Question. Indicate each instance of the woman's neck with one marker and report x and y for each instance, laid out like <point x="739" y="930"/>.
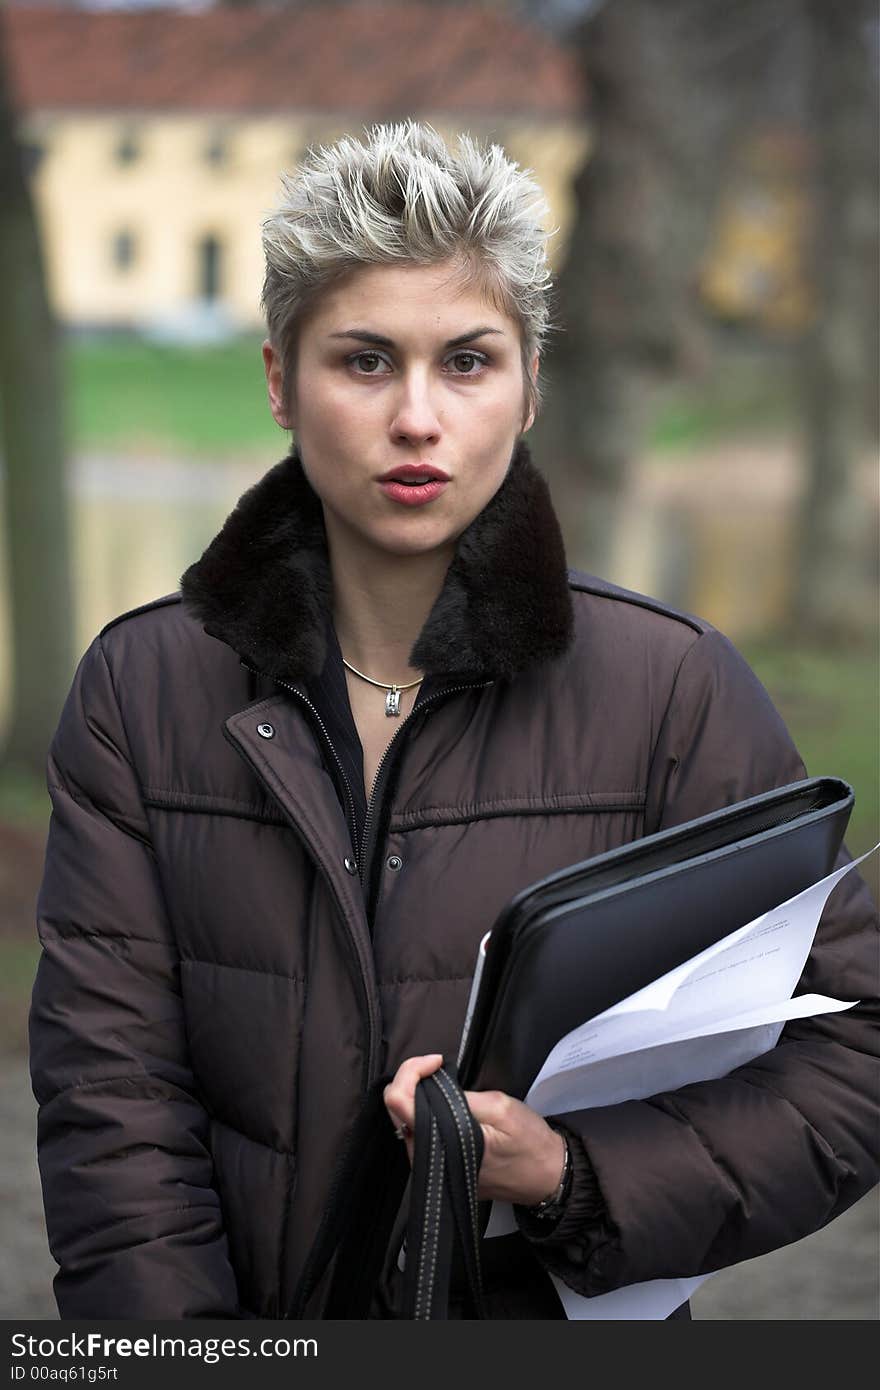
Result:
<point x="380" y="605"/>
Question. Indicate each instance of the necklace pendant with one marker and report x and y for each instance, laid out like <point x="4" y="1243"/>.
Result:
<point x="392" y="702"/>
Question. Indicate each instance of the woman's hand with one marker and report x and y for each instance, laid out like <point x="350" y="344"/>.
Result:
<point x="523" y="1157"/>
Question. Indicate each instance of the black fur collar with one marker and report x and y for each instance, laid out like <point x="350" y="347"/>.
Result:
<point x="263" y="585"/>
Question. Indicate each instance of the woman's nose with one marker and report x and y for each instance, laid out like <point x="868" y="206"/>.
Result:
<point x="415" y="418"/>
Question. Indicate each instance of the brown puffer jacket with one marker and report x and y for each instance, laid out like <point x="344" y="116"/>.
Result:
<point x="224" y="972"/>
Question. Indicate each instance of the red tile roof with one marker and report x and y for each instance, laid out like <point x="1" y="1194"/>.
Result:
<point x="386" y="61"/>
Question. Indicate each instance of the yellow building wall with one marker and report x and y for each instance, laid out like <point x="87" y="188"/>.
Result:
<point x="170" y="197"/>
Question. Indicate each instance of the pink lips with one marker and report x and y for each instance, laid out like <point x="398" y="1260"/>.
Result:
<point x="413" y="495"/>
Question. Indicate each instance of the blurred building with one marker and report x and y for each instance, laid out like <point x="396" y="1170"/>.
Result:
<point x="754" y="271"/>
<point x="156" y="138"/>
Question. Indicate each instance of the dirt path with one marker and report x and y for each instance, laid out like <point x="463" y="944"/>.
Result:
<point x="26" y="1267"/>
<point x="834" y="1274"/>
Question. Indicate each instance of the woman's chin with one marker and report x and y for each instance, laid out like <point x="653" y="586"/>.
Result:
<point x="414" y="539"/>
<point x="407" y="548"/>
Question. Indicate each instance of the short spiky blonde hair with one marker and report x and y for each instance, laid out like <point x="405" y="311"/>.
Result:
<point x="402" y="195"/>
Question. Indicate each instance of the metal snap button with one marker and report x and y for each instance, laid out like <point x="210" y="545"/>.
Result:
<point x="394" y="862"/>
<point x="265" y="731"/>
<point x="350" y="865"/>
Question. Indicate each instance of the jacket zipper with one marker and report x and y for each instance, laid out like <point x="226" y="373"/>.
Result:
<point x="364" y="857"/>
<point x="352" y="817"/>
<point x="335" y="755"/>
<point x="363" y="966"/>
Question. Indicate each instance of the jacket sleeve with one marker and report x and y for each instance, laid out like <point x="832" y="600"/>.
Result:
<point x="721" y="1171"/>
<point x="133" y="1219"/>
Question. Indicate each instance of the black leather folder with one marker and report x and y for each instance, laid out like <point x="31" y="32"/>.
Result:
<point x="569" y="946"/>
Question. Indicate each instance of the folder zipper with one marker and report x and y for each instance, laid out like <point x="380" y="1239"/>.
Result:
<point x="687" y="848"/>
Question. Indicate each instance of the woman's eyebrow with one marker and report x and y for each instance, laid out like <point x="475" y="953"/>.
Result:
<point x="364" y="335"/>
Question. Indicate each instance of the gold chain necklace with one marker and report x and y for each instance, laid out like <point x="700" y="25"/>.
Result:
<point x="392" y="699"/>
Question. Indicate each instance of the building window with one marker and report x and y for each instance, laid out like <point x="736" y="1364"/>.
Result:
<point x="128" y="148"/>
<point x="217" y="151"/>
<point x="209" y="256"/>
<point x="123" y="250"/>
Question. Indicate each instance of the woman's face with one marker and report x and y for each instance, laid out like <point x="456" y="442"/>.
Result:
<point x="398" y="368"/>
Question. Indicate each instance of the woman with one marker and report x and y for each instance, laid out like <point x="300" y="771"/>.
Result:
<point x="289" y="801"/>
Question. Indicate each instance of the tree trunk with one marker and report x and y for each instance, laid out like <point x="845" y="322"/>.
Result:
<point x="830" y="576"/>
<point x="671" y="87"/>
<point x="32" y="446"/>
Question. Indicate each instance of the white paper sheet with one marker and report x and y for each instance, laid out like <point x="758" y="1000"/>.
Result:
<point x="717" y="1011"/>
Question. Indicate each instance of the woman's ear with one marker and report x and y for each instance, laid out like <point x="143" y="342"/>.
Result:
<point x="274" y="370"/>
<point x="533" y="377"/>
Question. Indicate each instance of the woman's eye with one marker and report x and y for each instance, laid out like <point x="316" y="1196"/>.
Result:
<point x="367" y="362"/>
<point x="467" y="363"/>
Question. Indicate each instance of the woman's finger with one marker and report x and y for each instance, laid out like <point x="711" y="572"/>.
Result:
<point x="400" y="1093"/>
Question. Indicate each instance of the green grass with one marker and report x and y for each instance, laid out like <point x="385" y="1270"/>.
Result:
<point x="129" y="394"/>
<point x="686" y="421"/>
<point x="741" y="393"/>
<point x="24" y="800"/>
<point x="18" y="965"/>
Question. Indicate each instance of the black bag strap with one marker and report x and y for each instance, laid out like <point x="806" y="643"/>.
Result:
<point x="366" y="1194"/>
<point x="448" y="1150"/>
